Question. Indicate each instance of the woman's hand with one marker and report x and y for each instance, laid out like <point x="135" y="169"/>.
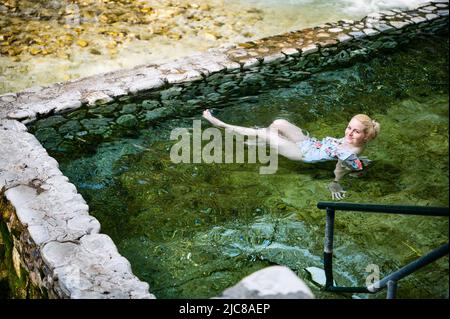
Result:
<point x="337" y="192"/>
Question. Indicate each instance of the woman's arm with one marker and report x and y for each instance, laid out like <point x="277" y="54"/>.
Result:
<point x="337" y="192"/>
<point x="340" y="171"/>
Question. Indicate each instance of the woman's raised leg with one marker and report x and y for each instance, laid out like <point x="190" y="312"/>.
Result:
<point x="286" y="147"/>
<point x="288" y="130"/>
<point x="234" y="128"/>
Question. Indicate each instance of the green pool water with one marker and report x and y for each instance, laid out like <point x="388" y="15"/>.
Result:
<point x="192" y="230"/>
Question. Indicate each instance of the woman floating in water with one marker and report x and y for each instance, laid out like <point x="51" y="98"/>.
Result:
<point x="295" y="145"/>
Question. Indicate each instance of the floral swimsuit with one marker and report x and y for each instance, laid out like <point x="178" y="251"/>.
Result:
<point x="328" y="149"/>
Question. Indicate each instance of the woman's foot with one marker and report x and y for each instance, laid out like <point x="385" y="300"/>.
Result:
<point x="208" y="116"/>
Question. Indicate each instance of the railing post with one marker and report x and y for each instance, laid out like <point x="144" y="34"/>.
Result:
<point x="392" y="279"/>
<point x="411" y="267"/>
<point x="391" y="289"/>
<point x="328" y="248"/>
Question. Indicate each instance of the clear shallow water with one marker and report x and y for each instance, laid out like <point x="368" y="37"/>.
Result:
<point x="86" y="37"/>
<point x="286" y="15"/>
<point x="192" y="230"/>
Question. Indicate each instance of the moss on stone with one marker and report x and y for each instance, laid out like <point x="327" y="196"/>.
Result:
<point x="13" y="284"/>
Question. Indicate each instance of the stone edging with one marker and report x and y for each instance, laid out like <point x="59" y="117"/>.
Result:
<point x="55" y="240"/>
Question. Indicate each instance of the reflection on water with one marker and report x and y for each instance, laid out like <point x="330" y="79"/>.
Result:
<point x="192" y="230"/>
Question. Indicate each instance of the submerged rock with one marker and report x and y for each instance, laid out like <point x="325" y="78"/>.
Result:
<point x="127" y="120"/>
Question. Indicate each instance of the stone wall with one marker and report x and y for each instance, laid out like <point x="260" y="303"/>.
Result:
<point x="55" y="248"/>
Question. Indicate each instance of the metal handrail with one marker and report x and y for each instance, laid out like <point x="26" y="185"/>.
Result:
<point x="389" y="209"/>
<point x="389" y="281"/>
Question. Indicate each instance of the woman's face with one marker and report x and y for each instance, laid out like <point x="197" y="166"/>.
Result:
<point x="354" y="133"/>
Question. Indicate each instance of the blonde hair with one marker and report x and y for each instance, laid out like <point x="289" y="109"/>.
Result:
<point x="371" y="127"/>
